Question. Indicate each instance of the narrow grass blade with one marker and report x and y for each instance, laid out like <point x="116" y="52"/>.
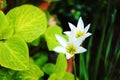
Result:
<point x="83" y="72"/>
<point x="90" y="41"/>
<point x="101" y="42"/>
<point x="110" y="34"/>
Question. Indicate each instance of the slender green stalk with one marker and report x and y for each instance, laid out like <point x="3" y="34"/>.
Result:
<point x="108" y="65"/>
<point x="117" y="49"/>
<point x="86" y="65"/>
<point x="90" y="41"/>
<point x="112" y="67"/>
<point x="101" y="42"/>
<point x="83" y="71"/>
<point x="88" y="53"/>
<point x="109" y="44"/>
<point x="110" y="34"/>
<point x="114" y="59"/>
<point x="81" y="68"/>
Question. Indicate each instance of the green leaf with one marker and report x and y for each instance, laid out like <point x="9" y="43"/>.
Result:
<point x="6" y="74"/>
<point x="61" y="65"/>
<point x="40" y="59"/>
<point x="38" y="41"/>
<point x="6" y="30"/>
<point x="14" y="54"/>
<point x="34" y="73"/>
<point x="29" y="22"/>
<point x="83" y="71"/>
<point x="48" y="68"/>
<point x="50" y="36"/>
<point x="60" y="68"/>
<point x="35" y="42"/>
<point x="53" y="77"/>
<point x="68" y="76"/>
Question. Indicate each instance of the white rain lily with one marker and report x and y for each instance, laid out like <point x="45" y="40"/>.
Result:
<point x="78" y="31"/>
<point x="69" y="48"/>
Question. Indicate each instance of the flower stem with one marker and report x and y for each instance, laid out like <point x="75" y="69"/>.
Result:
<point x="70" y="65"/>
<point x="74" y="66"/>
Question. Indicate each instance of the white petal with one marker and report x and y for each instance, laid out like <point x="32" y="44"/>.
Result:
<point x="61" y="40"/>
<point x="80" y="24"/>
<point x="79" y="41"/>
<point x="71" y="26"/>
<point x="67" y="33"/>
<point x="72" y="36"/>
<point x="81" y="50"/>
<point x="86" y="28"/>
<point x="68" y="56"/>
<point x="60" y="49"/>
<point x="87" y="35"/>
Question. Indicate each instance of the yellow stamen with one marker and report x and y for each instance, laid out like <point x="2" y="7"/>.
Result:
<point x="79" y="33"/>
<point x="71" y="49"/>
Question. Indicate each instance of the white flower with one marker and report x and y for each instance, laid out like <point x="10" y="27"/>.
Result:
<point x="69" y="48"/>
<point x="78" y="31"/>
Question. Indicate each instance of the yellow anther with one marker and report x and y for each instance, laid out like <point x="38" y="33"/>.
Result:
<point x="79" y="34"/>
<point x="71" y="49"/>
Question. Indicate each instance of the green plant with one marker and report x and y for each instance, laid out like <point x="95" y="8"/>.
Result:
<point x="21" y="26"/>
<point x="27" y="41"/>
<point x="18" y="27"/>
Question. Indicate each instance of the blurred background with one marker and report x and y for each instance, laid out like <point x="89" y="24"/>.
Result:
<point x="102" y="59"/>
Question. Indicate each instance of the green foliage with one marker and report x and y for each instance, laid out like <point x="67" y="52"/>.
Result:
<point x="40" y="59"/>
<point x="35" y="42"/>
<point x="60" y="68"/>
<point x="53" y="77"/>
<point x="50" y="36"/>
<point x="68" y="76"/>
<point x="61" y="65"/>
<point x="6" y="74"/>
<point x="48" y="68"/>
<point x="29" y="22"/>
<point x="14" y="54"/>
<point x="83" y="72"/>
<point x="34" y="73"/>
<point x="101" y="63"/>
<point x="6" y="30"/>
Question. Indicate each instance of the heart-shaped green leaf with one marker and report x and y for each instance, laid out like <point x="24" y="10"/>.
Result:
<point x="68" y="76"/>
<point x="60" y="68"/>
<point x="29" y="22"/>
<point x="14" y="54"/>
<point x="50" y="36"/>
<point x="48" y="68"/>
<point x="34" y="73"/>
<point x="61" y="65"/>
<point x="40" y="59"/>
<point x="53" y="77"/>
<point x="6" y="30"/>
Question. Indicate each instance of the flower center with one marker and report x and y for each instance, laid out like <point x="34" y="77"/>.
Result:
<point x="79" y="33"/>
<point x="71" y="49"/>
